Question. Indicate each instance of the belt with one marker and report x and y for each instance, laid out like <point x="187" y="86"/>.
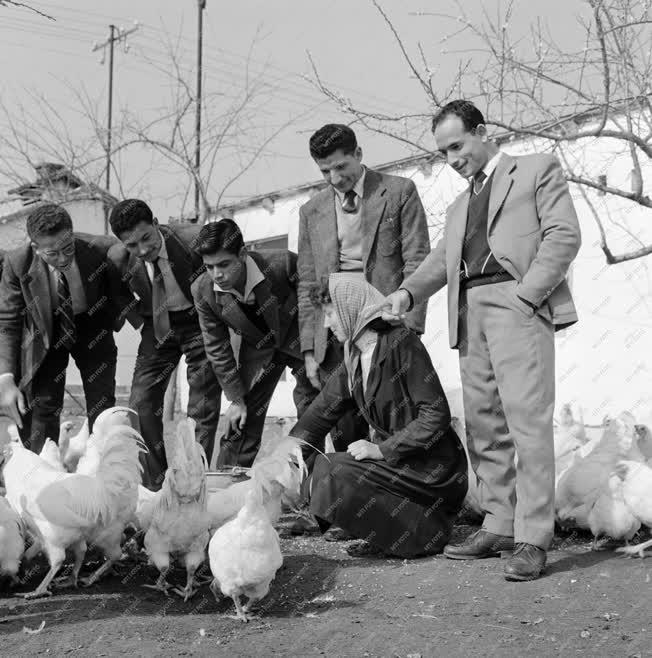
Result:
<point x="485" y="279"/>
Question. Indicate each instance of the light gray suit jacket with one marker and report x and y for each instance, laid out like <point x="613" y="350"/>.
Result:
<point x="532" y="230"/>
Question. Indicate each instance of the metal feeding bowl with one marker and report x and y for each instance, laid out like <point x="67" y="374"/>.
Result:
<point x="225" y="476"/>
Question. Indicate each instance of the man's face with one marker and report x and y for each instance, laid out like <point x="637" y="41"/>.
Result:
<point x="465" y="152"/>
<point x="226" y="269"/>
<point x="340" y="170"/>
<point x="57" y="250"/>
<point x="143" y="241"/>
<point x="332" y="322"/>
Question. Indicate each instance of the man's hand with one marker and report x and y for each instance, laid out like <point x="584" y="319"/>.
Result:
<point x="396" y="305"/>
<point x="236" y="415"/>
<point x="312" y="369"/>
<point x="364" y="450"/>
<point x="12" y="400"/>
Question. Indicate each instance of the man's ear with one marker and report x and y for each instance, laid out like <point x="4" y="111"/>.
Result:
<point x="358" y="153"/>
<point x="154" y="221"/>
<point x="481" y="131"/>
<point x="242" y="254"/>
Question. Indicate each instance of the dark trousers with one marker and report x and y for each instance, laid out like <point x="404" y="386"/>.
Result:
<point x="95" y="354"/>
<point x="240" y="448"/>
<point x="154" y="366"/>
<point x="351" y="426"/>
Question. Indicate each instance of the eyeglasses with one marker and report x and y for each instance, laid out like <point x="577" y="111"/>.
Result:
<point x="66" y="250"/>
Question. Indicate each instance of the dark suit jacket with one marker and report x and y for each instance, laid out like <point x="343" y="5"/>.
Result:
<point x="415" y="434"/>
<point x="26" y="314"/>
<point x="394" y="242"/>
<point x="218" y="312"/>
<point x="532" y="230"/>
<point x="185" y="262"/>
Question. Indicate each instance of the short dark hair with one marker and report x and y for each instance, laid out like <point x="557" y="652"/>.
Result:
<point x="330" y="138"/>
<point x="129" y="213"/>
<point x="319" y="293"/>
<point x="221" y="235"/>
<point x="469" y="114"/>
<point x="47" y="219"/>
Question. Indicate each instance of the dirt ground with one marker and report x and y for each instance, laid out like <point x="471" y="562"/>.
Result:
<point x="324" y="602"/>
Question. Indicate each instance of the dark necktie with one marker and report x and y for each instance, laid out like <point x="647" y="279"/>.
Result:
<point x="478" y="182"/>
<point x="348" y="203"/>
<point x="160" y="315"/>
<point x="65" y="312"/>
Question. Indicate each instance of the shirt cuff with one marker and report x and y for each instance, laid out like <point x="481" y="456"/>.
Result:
<point x="5" y="375"/>
<point x="411" y="306"/>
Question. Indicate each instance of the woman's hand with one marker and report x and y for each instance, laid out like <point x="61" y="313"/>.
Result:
<point x="364" y="450"/>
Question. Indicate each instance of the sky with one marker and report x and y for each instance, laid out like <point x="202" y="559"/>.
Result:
<point x="49" y="65"/>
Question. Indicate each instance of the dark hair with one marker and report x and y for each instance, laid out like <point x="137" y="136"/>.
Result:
<point x="330" y="138"/>
<point x="47" y="219"/>
<point x="320" y="294"/>
<point x="129" y="213"/>
<point x="469" y="114"/>
<point x="222" y="235"/>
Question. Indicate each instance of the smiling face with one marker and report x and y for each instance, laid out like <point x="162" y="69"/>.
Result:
<point x="226" y="269"/>
<point x="341" y="170"/>
<point x="332" y="322"/>
<point x="143" y="241"/>
<point x="57" y="249"/>
<point x="466" y="152"/>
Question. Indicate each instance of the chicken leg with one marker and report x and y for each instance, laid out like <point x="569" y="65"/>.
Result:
<point x="161" y="583"/>
<point x="637" y="549"/>
<point x="56" y="557"/>
<point x="241" y="614"/>
<point x="79" y="550"/>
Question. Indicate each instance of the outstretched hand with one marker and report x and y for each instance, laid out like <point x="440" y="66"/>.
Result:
<point x="396" y="306"/>
<point x="364" y="450"/>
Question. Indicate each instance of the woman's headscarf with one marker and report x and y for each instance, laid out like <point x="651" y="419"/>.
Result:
<point x="356" y="303"/>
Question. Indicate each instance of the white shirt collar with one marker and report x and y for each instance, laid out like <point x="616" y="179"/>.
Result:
<point x="491" y="165"/>
<point x="254" y="277"/>
<point x="358" y="188"/>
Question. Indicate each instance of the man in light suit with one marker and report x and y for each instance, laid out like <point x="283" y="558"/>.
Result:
<point x="508" y="242"/>
<point x="158" y="264"/>
<point x="253" y="296"/>
<point x="364" y="221"/>
<point x="59" y="297"/>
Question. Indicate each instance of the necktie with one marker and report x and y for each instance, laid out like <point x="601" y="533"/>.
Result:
<point x="160" y="315"/>
<point x="348" y="203"/>
<point x="65" y="313"/>
<point x="478" y="182"/>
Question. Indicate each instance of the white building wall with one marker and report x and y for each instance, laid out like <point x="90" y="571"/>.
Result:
<point x="603" y="362"/>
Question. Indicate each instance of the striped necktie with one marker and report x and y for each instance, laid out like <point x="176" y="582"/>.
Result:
<point x="64" y="312"/>
<point x="478" y="182"/>
<point x="160" y="315"/>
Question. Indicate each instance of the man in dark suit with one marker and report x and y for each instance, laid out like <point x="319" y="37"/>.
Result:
<point x="364" y="221"/>
<point x="254" y="297"/>
<point x="508" y="242"/>
<point x="158" y="265"/>
<point x="57" y="299"/>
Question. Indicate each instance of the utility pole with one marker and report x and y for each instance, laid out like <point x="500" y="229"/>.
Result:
<point x="201" y="5"/>
<point x="115" y="35"/>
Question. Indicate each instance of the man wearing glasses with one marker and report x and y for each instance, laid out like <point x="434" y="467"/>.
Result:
<point x="57" y="299"/>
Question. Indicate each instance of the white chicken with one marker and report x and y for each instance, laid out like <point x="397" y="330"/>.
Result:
<point x="72" y="447"/>
<point x="68" y="510"/>
<point x="637" y="492"/>
<point x="177" y="522"/>
<point x="587" y="477"/>
<point x="610" y="516"/>
<point x="278" y="474"/>
<point x="50" y="454"/>
<point x="569" y="436"/>
<point x="12" y="542"/>
<point x="245" y="554"/>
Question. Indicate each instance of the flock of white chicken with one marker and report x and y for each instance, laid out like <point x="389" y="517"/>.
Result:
<point x="604" y="483"/>
<point x="86" y="491"/>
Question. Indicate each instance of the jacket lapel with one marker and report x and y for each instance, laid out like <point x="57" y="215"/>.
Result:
<point x="457" y="217"/>
<point x="41" y="298"/>
<point x="180" y="261"/>
<point x="324" y="226"/>
<point x="374" y="201"/>
<point x="234" y="316"/>
<point x="500" y="187"/>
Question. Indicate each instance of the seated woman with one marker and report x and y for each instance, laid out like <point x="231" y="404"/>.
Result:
<point x="400" y="491"/>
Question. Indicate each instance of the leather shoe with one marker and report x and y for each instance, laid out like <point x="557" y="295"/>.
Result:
<point x="527" y="563"/>
<point x="480" y="544"/>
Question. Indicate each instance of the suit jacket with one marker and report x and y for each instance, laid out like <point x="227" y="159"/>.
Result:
<point x="238" y="367"/>
<point x="185" y="263"/>
<point x="394" y="242"/>
<point x="532" y="230"/>
<point x="26" y="313"/>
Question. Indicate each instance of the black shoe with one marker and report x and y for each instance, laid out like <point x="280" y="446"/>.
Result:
<point x="527" y="563"/>
<point x="480" y="544"/>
